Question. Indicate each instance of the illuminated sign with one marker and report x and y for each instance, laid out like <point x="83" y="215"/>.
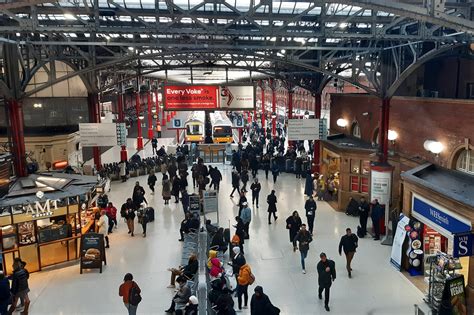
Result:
<point x="190" y="97"/>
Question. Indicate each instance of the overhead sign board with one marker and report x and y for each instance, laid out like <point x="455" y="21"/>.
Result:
<point x="98" y="134"/>
<point x="303" y="129"/>
<point x="237" y="97"/>
<point x="177" y="123"/>
<point x="190" y="97"/>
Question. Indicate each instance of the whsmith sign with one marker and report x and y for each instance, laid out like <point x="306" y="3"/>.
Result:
<point x="439" y="218"/>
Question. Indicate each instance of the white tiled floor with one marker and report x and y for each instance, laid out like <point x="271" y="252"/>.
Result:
<point x="376" y="287"/>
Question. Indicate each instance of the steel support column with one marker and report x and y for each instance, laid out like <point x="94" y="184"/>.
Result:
<point x="15" y="113"/>
<point x="383" y="130"/>
<point x="121" y="118"/>
<point x="150" y="118"/>
<point x="317" y="142"/>
<point x="94" y="117"/>
<point x="139" y="122"/>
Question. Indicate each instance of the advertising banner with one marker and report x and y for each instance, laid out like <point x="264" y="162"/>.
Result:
<point x="454" y="297"/>
<point x="92" y="251"/>
<point x="190" y="97"/>
<point x="303" y="129"/>
<point x="463" y="245"/>
<point x="381" y="186"/>
<point x="398" y="240"/>
<point x="98" y="134"/>
<point x="237" y="97"/>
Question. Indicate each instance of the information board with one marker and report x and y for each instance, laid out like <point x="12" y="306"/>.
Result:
<point x="98" y="134"/>
<point x="398" y="240"/>
<point x="190" y="97"/>
<point x="211" y="203"/>
<point x="303" y="129"/>
<point x="237" y="97"/>
<point x="194" y="204"/>
<point x="121" y="134"/>
<point x="92" y="251"/>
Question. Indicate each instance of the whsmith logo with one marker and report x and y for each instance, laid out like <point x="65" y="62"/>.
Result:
<point x="439" y="217"/>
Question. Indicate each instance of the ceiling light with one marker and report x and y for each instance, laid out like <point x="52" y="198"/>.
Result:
<point x="343" y="26"/>
<point x="341" y="122"/>
<point x="37" y="105"/>
<point x="283" y="51"/>
<point x="392" y="135"/>
<point x="69" y="16"/>
<point x="131" y="48"/>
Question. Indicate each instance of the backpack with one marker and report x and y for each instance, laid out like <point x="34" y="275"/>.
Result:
<point x="134" y="297"/>
<point x="251" y="278"/>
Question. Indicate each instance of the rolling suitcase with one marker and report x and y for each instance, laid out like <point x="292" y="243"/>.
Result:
<point x="151" y="214"/>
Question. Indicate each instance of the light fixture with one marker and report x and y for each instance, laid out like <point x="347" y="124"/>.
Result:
<point x="153" y="109"/>
<point x="69" y="16"/>
<point x="131" y="48"/>
<point x="283" y="51"/>
<point x="274" y="115"/>
<point x="141" y="117"/>
<point x="37" y="105"/>
<point x="306" y="114"/>
<point x="392" y="135"/>
<point x="433" y="146"/>
<point x="341" y="122"/>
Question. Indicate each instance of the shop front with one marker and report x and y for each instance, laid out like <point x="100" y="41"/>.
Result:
<point x="439" y="247"/>
<point x="345" y="169"/>
<point x="43" y="217"/>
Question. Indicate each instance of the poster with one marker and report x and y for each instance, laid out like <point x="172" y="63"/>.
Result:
<point x="190" y="97"/>
<point x="303" y="129"/>
<point x="454" y="296"/>
<point x="398" y="240"/>
<point x="381" y="186"/>
<point x="194" y="204"/>
<point x="92" y="251"/>
<point x="98" y="134"/>
<point x="237" y="97"/>
<point x="210" y="201"/>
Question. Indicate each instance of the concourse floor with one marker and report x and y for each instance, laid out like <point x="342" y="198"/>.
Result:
<point x="375" y="288"/>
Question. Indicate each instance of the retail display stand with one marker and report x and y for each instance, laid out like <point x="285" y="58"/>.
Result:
<point x="92" y="251"/>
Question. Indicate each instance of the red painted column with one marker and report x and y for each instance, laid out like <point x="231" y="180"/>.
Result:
<point x="15" y="112"/>
<point x="139" y="123"/>
<point x="121" y="118"/>
<point x="290" y="111"/>
<point x="150" y="118"/>
<point x="94" y="117"/>
<point x="317" y="143"/>
<point x="383" y="130"/>
<point x="273" y="111"/>
<point x="263" y="108"/>
<point x="177" y="136"/>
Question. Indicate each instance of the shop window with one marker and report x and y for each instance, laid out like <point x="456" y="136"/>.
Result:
<point x="355" y="166"/>
<point x="364" y="185"/>
<point x="355" y="183"/>
<point x="465" y="162"/>
<point x="365" y="167"/>
<point x="355" y="130"/>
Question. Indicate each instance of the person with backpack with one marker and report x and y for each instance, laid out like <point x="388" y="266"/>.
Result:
<point x="152" y="181"/>
<point x="272" y="209"/>
<point x="244" y="279"/>
<point x="303" y="238"/>
<point x="238" y="260"/>
<point x="260" y="303"/>
<point x="130" y="293"/>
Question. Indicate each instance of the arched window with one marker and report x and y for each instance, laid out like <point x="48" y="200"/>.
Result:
<point x="465" y="162"/>
<point x="355" y="129"/>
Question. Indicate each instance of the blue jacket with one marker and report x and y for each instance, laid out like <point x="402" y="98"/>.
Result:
<point x="246" y="215"/>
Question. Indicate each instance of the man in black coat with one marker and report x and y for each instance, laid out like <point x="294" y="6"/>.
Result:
<point x="326" y="275"/>
<point x="348" y="243"/>
<point x="255" y="188"/>
<point x="235" y="183"/>
<point x="260" y="303"/>
<point x="310" y="207"/>
<point x="272" y="209"/>
<point x="303" y="238"/>
<point x="364" y="209"/>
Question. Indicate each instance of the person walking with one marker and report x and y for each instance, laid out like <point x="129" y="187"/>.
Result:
<point x="130" y="217"/>
<point x="138" y="195"/>
<point x="348" y="243"/>
<point x="255" y="188"/>
<point x="272" y="209"/>
<point x="5" y="294"/>
<point x="175" y="188"/>
<point x="242" y="200"/>
<point x="266" y="164"/>
<point x="244" y="177"/>
<point x="293" y="224"/>
<point x="144" y="218"/>
<point x="20" y="287"/>
<point x="103" y="226"/>
<point x="129" y="290"/>
<point x="326" y="275"/>
<point x="216" y="177"/>
<point x="235" y="183"/>
<point x="364" y="209"/>
<point x="310" y="207"/>
<point x="151" y="181"/>
<point x="376" y="215"/>
<point x="154" y="146"/>
<point x="243" y="282"/>
<point x="111" y="212"/>
<point x="260" y="303"/>
<point x="246" y="216"/>
<point x="123" y="171"/>
<point x="275" y="170"/>
<point x="303" y="237"/>
<point x="164" y="169"/>
<point x="166" y="189"/>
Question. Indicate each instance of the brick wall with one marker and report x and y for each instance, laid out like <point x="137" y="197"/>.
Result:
<point x="414" y="119"/>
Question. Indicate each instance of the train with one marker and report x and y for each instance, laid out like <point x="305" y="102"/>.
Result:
<point x="221" y="128"/>
<point x="194" y="127"/>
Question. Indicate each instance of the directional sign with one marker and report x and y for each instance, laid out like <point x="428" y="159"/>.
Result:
<point x="303" y="129"/>
<point x="177" y="123"/>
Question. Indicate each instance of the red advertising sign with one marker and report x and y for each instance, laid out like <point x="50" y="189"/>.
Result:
<point x="190" y="97"/>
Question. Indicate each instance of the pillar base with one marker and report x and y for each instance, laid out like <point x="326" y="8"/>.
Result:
<point x="150" y="133"/>
<point x="139" y="143"/>
<point x="123" y="154"/>
<point x="470" y="299"/>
